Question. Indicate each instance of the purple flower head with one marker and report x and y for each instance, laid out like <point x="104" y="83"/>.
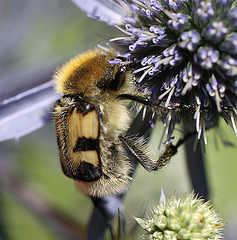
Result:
<point x="215" y="32"/>
<point x="185" y="55"/>
<point x="189" y="40"/>
<point x="207" y="57"/>
<point x="203" y="12"/>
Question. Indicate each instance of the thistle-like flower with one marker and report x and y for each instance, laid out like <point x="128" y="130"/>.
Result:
<point x="186" y="56"/>
<point x="184" y="218"/>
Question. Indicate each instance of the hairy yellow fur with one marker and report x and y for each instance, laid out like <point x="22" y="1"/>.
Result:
<point x="80" y="74"/>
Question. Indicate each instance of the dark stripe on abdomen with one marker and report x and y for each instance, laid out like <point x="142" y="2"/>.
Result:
<point x="86" y="144"/>
<point x="88" y="172"/>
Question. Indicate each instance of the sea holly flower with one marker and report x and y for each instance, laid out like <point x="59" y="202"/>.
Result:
<point x="188" y="217"/>
<point x="185" y="55"/>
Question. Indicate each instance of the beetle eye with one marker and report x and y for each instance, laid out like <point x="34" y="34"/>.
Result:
<point x="116" y="82"/>
<point x="119" y="79"/>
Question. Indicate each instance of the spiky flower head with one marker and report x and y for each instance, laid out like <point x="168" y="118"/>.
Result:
<point x="183" y="218"/>
<point x="186" y="56"/>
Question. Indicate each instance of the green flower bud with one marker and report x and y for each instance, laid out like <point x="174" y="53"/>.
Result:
<point x="188" y="217"/>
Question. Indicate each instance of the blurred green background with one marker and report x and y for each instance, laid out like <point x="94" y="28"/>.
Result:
<point x="40" y="35"/>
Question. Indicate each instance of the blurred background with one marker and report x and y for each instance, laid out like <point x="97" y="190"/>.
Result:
<point x="35" y="38"/>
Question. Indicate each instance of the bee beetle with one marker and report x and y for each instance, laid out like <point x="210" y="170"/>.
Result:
<point x="91" y="122"/>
